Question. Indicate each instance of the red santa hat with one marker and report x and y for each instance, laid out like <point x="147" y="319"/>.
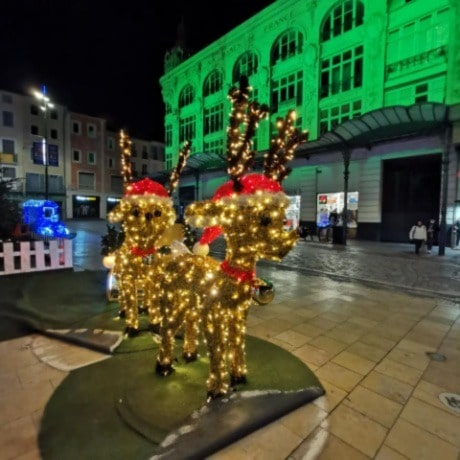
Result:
<point x="146" y="187"/>
<point x="255" y="188"/>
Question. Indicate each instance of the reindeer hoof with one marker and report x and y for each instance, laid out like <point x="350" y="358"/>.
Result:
<point x="122" y="314"/>
<point x="154" y="328"/>
<point x="190" y="357"/>
<point x="164" y="369"/>
<point x="211" y="395"/>
<point x="132" y="331"/>
<point x="237" y="380"/>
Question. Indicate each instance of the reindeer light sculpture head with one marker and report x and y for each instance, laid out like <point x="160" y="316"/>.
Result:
<point x="147" y="216"/>
<point x="249" y="210"/>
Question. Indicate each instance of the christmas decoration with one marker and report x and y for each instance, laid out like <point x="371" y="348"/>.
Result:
<point x="248" y="211"/>
<point x="147" y="217"/>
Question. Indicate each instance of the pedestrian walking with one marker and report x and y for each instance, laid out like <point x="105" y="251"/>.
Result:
<point x="431" y="234"/>
<point x="417" y="235"/>
<point x="456" y="227"/>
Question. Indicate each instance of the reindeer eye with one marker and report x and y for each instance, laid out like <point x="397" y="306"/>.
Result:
<point x="265" y="221"/>
<point x="157" y="213"/>
<point x="135" y="212"/>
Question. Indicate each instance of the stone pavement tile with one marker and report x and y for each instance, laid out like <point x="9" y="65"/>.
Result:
<point x="367" y="351"/>
<point x="322" y="323"/>
<point x="35" y="373"/>
<point x="304" y="420"/>
<point x="21" y="402"/>
<point x="429" y="393"/>
<point x="322" y="445"/>
<point x="378" y="341"/>
<point x="363" y="321"/>
<point x="372" y="405"/>
<point x="275" y="438"/>
<point x="442" y="378"/>
<point x="8" y="379"/>
<point x="338" y="376"/>
<point x="16" y="353"/>
<point x="417" y="359"/>
<point x="18" y="438"/>
<point x="387" y="453"/>
<point x="308" y="329"/>
<point x="307" y="313"/>
<point x="313" y="355"/>
<point x="275" y="326"/>
<point x="346" y="334"/>
<point x="356" y="429"/>
<point x="354" y="362"/>
<point x="333" y="315"/>
<point x="436" y="421"/>
<point x="388" y="386"/>
<point x="399" y="371"/>
<point x="292" y="338"/>
<point x="429" y="333"/>
<point x="418" y="444"/>
<point x="333" y="397"/>
<point x="328" y="344"/>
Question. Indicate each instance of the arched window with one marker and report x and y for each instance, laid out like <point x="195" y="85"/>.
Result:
<point x="288" y="45"/>
<point x="247" y="64"/>
<point x="186" y="96"/>
<point x="213" y="83"/>
<point x="342" y="18"/>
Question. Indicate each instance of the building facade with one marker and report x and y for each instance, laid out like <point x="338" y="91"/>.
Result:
<point x="81" y="158"/>
<point x="375" y="82"/>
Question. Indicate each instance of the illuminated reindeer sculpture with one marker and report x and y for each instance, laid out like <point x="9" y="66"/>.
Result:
<point x="249" y="211"/>
<point x="147" y="217"/>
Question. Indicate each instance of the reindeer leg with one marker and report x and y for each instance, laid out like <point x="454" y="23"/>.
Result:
<point x="191" y="330"/>
<point x="215" y="326"/>
<point x="237" y="344"/>
<point x="131" y="320"/>
<point x="171" y="320"/>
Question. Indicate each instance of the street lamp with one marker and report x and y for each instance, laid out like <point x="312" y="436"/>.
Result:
<point x="45" y="105"/>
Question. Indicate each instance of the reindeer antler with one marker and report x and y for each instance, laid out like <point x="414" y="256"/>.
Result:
<point x="240" y="156"/>
<point x="282" y="147"/>
<point x="125" y="145"/>
<point x="181" y="161"/>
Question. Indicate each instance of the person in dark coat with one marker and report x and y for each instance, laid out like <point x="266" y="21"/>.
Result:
<point x="432" y="230"/>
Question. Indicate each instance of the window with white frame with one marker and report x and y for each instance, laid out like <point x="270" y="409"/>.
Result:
<point x="287" y="46"/>
<point x="331" y="117"/>
<point x="247" y="65"/>
<point x="287" y="89"/>
<point x="342" y="72"/>
<point x="342" y="18"/>
<point x="76" y="156"/>
<point x="91" y="158"/>
<point x="187" y="128"/>
<point x="8" y="146"/>
<point x="187" y="95"/>
<point x="76" y="127"/>
<point x="86" y="181"/>
<point x="213" y="119"/>
<point x="8" y="118"/>
<point x="91" y="130"/>
<point x="213" y="83"/>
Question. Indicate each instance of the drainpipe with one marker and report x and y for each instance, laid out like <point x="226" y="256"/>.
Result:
<point x="447" y="143"/>
<point x="346" y="153"/>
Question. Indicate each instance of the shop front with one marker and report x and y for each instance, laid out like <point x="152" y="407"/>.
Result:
<point x="85" y="206"/>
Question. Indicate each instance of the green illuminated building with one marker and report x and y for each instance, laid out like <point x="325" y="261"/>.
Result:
<point x="375" y="82"/>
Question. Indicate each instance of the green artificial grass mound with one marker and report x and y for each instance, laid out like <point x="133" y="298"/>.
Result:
<point x="120" y="406"/>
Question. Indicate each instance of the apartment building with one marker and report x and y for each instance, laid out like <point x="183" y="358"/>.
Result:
<point x="67" y="157"/>
<point x="375" y="82"/>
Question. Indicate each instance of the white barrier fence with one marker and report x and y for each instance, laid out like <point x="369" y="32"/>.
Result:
<point x="35" y="256"/>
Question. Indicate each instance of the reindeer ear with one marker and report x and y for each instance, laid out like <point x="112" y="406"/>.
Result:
<point x="116" y="214"/>
<point x="203" y="214"/>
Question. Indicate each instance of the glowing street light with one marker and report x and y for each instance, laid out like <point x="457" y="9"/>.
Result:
<point x="45" y="105"/>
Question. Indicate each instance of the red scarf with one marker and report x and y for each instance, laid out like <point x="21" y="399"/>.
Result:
<point x="245" y="276"/>
<point x="142" y="252"/>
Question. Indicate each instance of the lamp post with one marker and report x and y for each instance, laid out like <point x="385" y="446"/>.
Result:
<point x="45" y="105"/>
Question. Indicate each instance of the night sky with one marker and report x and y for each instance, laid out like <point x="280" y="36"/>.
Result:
<point x="103" y="58"/>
